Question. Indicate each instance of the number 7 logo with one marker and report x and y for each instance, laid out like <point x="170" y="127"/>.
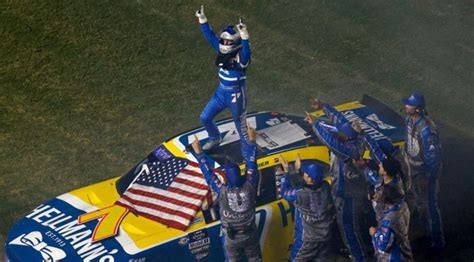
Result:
<point x="235" y="96"/>
<point x="109" y="221"/>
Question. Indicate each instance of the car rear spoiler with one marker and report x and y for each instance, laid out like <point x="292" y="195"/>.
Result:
<point x="382" y="109"/>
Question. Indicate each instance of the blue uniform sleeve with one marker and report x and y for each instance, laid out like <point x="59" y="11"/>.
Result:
<point x="331" y="142"/>
<point x="383" y="238"/>
<point x="374" y="148"/>
<point x="251" y="167"/>
<point x="372" y="176"/>
<point x="286" y="191"/>
<point x="210" y="36"/>
<point x="431" y="150"/>
<point x="245" y="54"/>
<point x="336" y="117"/>
<point x="211" y="178"/>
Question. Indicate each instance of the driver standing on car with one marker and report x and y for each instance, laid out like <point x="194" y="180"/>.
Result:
<point x="423" y="155"/>
<point x="237" y="202"/>
<point x="233" y="58"/>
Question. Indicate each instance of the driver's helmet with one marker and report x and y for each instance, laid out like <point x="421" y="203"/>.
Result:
<point x="229" y="40"/>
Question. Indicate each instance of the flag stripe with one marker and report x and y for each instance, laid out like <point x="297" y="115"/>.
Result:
<point x="161" y="200"/>
<point x="170" y="191"/>
<point x="178" y="181"/>
<point x="186" y="214"/>
<point x="169" y="222"/>
<point x="124" y="203"/>
<point x="193" y="164"/>
<point x="192" y="173"/>
<point x="185" y="193"/>
<point x="158" y="195"/>
<point x="141" y="211"/>
<point x="193" y="179"/>
<point x="189" y="189"/>
<point x="163" y="215"/>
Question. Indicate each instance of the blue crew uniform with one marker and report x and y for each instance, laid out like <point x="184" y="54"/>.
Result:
<point x="231" y="91"/>
<point x="314" y="214"/>
<point x="378" y="152"/>
<point x="237" y="203"/>
<point x="390" y="241"/>
<point x="349" y="185"/>
<point x="289" y="194"/>
<point x="376" y="180"/>
<point x="382" y="149"/>
<point x="423" y="155"/>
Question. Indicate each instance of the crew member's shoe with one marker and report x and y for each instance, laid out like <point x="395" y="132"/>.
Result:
<point x="211" y="143"/>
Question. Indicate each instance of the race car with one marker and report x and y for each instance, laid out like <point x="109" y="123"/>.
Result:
<point x="53" y="232"/>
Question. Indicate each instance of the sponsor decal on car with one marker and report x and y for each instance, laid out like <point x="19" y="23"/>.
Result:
<point x="35" y="241"/>
<point x="64" y="229"/>
<point x="375" y="119"/>
<point x="368" y="129"/>
<point x="199" y="244"/>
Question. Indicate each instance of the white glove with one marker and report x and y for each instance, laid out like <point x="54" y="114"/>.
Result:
<point x="242" y="28"/>
<point x="201" y="16"/>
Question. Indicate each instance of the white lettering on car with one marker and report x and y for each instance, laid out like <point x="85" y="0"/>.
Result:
<point x="67" y="228"/>
<point x="369" y="130"/>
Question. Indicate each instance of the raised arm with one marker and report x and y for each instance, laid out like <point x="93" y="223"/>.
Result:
<point x="375" y="148"/>
<point x="287" y="192"/>
<point x="244" y="56"/>
<point x="331" y="142"/>
<point x="251" y="167"/>
<point x="211" y="178"/>
<point x="206" y="29"/>
<point x="336" y="117"/>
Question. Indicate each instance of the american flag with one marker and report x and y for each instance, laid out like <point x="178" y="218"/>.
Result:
<point x="169" y="192"/>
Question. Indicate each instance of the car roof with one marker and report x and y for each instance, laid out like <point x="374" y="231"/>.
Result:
<point x="280" y="132"/>
<point x="277" y="132"/>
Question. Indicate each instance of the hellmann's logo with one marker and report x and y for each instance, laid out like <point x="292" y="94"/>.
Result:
<point x="375" y="119"/>
<point x="35" y="240"/>
<point x="64" y="229"/>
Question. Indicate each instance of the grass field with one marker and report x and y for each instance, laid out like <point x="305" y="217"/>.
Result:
<point x="88" y="88"/>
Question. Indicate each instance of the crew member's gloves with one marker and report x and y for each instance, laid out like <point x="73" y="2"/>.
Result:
<point x="201" y="16"/>
<point x="242" y="28"/>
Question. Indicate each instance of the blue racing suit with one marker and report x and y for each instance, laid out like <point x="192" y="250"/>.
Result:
<point x="423" y="155"/>
<point x="390" y="241"/>
<point x="237" y="209"/>
<point x="289" y="194"/>
<point x="231" y="92"/>
<point x="376" y="180"/>
<point x="349" y="186"/>
<point x="378" y="155"/>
